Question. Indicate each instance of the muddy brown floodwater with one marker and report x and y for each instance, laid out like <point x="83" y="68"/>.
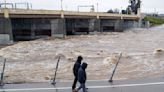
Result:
<point x="35" y="61"/>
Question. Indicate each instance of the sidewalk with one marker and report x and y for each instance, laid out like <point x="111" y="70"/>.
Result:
<point x="140" y="85"/>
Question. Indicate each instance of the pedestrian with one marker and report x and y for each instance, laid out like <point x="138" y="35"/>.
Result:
<point x="82" y="77"/>
<point x="76" y="67"/>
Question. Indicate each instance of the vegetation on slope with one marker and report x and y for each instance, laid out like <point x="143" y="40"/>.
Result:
<point x="154" y="20"/>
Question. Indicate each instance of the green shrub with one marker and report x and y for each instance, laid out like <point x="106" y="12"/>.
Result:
<point x="154" y="20"/>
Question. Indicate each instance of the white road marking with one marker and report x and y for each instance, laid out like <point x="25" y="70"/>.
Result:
<point x="96" y="87"/>
<point x="87" y="80"/>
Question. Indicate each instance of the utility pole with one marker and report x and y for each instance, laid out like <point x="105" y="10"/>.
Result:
<point x="97" y="7"/>
<point x="5" y="3"/>
<point x="61" y="1"/>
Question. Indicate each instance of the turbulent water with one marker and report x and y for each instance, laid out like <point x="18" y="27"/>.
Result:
<point x="35" y="61"/>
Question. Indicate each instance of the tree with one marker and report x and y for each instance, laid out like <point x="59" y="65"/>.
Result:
<point x="110" y="11"/>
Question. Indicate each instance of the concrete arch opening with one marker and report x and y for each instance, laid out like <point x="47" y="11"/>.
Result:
<point x="77" y="26"/>
<point x="29" y="29"/>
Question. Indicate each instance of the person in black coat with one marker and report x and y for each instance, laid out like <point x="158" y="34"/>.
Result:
<point x="82" y="77"/>
<point x="76" y="67"/>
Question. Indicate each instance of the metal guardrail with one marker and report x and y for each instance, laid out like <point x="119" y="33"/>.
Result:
<point x="16" y="5"/>
<point x="111" y="78"/>
<point x="2" y="73"/>
<point x="6" y="5"/>
<point x="54" y="80"/>
<point x="27" y="5"/>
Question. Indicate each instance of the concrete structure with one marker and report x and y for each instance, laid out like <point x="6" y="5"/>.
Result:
<point x="23" y="24"/>
<point x="6" y="35"/>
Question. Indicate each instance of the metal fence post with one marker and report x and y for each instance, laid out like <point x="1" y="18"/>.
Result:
<point x="54" y="80"/>
<point x="111" y="78"/>
<point x="2" y="73"/>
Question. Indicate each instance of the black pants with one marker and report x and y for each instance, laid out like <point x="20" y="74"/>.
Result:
<point x="74" y="83"/>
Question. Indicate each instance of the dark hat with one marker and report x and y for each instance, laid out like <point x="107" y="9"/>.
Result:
<point x="80" y="58"/>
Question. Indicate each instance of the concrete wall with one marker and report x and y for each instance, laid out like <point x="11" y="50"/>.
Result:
<point x="34" y="27"/>
<point x="6" y="36"/>
<point x="130" y="24"/>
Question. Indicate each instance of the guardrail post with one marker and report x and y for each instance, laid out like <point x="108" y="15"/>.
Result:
<point x="2" y="73"/>
<point x="54" y="80"/>
<point x="111" y="78"/>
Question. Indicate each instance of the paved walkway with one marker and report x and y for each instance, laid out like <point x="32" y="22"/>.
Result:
<point x="141" y="85"/>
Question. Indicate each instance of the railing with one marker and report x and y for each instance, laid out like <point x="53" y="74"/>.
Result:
<point x="27" y="5"/>
<point x="6" y="5"/>
<point x="16" y="5"/>
<point x="62" y="69"/>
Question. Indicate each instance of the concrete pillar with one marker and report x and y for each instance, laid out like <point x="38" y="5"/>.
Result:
<point x="140" y="19"/>
<point x="91" y="25"/>
<point x="6" y="13"/>
<point x="119" y="25"/>
<point x="58" y="28"/>
<point x="136" y="24"/>
<point x="6" y="35"/>
<point x="140" y="23"/>
<point x="33" y="28"/>
<point x="62" y="14"/>
<point x="139" y="12"/>
<point x="97" y="25"/>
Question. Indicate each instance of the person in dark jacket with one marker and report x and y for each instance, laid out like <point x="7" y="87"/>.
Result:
<point x="82" y="77"/>
<point x="76" y="67"/>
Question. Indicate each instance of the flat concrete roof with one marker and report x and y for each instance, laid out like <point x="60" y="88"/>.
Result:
<point x="138" y="85"/>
